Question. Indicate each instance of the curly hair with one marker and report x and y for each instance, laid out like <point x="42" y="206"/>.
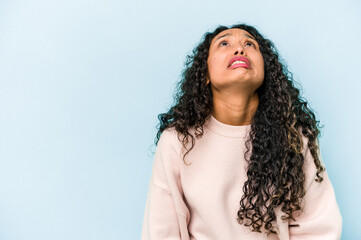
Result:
<point x="274" y="170"/>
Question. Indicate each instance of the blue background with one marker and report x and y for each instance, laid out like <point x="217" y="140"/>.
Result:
<point x="82" y="83"/>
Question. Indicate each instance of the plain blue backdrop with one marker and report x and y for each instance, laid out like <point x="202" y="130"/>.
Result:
<point x="82" y="83"/>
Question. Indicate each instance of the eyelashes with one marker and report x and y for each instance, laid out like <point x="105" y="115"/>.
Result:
<point x="220" y="44"/>
<point x="247" y="43"/>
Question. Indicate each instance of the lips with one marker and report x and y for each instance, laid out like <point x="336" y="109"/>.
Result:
<point x="239" y="58"/>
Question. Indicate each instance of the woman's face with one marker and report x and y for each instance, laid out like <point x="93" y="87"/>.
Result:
<point x="226" y="45"/>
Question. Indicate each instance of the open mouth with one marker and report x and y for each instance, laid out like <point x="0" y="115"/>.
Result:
<point x="239" y="61"/>
<point x="237" y="64"/>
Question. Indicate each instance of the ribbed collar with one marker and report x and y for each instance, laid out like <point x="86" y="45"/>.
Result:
<point x="227" y="130"/>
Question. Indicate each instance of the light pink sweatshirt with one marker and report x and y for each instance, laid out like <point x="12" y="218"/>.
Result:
<point x="200" y="201"/>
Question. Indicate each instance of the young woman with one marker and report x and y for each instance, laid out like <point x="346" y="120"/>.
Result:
<point x="237" y="156"/>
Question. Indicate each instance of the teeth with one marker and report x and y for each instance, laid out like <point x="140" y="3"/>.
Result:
<point x="237" y="62"/>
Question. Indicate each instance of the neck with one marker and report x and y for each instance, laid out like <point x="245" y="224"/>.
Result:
<point x="235" y="110"/>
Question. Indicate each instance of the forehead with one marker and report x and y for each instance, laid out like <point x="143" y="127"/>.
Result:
<point x="234" y="32"/>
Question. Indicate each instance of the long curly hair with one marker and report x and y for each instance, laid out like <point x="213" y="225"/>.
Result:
<point x="274" y="170"/>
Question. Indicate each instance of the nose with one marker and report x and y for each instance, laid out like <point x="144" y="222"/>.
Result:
<point x="239" y="50"/>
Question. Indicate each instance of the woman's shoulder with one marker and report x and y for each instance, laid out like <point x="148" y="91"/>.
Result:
<point x="170" y="138"/>
<point x="171" y="134"/>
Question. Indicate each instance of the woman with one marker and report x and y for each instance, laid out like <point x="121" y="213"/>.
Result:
<point x="237" y="156"/>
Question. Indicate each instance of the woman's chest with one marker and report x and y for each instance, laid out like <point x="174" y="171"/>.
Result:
<point x="216" y="174"/>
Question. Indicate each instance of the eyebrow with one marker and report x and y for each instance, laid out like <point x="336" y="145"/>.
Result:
<point x="228" y="34"/>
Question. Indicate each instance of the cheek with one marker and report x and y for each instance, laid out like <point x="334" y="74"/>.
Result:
<point x="212" y="65"/>
<point x="261" y="65"/>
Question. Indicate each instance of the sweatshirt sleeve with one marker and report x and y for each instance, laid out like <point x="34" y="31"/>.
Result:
<point x="319" y="217"/>
<point x="163" y="217"/>
<point x="160" y="217"/>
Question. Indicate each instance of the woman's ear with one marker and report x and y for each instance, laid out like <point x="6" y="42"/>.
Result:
<point x="207" y="77"/>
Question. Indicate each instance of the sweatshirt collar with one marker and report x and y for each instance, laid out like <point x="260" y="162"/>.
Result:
<point x="227" y="130"/>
